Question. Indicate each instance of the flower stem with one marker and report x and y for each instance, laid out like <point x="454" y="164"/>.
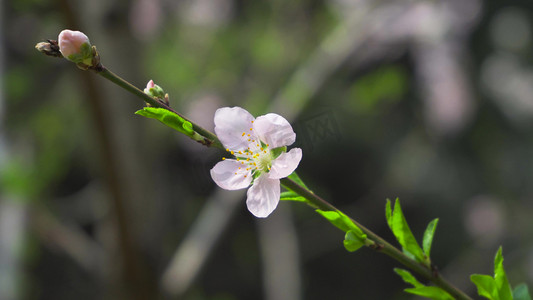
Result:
<point x="380" y="244"/>
<point x="104" y="72"/>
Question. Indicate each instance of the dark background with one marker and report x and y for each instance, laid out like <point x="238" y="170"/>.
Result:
<point x="428" y="101"/>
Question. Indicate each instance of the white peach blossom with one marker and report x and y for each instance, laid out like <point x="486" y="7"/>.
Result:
<point x="252" y="142"/>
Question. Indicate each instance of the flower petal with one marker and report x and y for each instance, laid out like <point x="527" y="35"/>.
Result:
<point x="230" y="175"/>
<point x="230" y="124"/>
<point x="274" y="130"/>
<point x="263" y="196"/>
<point x="70" y="42"/>
<point x="285" y="164"/>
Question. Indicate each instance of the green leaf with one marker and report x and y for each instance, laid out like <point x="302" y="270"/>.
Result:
<point x="352" y="242"/>
<point x="428" y="236"/>
<point x="521" y="292"/>
<point x="291" y="196"/>
<point x="388" y="214"/>
<point x="294" y="177"/>
<point x="354" y="238"/>
<point x="168" y="118"/>
<point x="500" y="278"/>
<point x="486" y="286"/>
<point x="342" y="221"/>
<point x="420" y="289"/>
<point x="402" y="232"/>
<point x="408" y="277"/>
<point x="334" y="218"/>
<point x="432" y="292"/>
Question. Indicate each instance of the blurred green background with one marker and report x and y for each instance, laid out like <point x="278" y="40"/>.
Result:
<point x="428" y="101"/>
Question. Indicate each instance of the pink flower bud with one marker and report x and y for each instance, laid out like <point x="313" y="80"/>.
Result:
<point x="150" y="84"/>
<point x="154" y="90"/>
<point x="74" y="45"/>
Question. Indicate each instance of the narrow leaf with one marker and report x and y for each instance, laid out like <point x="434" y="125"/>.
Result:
<point x="502" y="284"/>
<point x="408" y="277"/>
<point x="432" y="292"/>
<point x="334" y="218"/>
<point x="168" y="118"/>
<point x="353" y="242"/>
<point x="428" y="236"/>
<point x="521" y="292"/>
<point x="486" y="286"/>
<point x="404" y="235"/>
<point x="342" y="221"/>
<point x="294" y="177"/>
<point x="291" y="196"/>
<point x="388" y="214"/>
<point x="420" y="289"/>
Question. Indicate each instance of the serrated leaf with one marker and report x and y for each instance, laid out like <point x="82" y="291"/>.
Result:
<point x="352" y="242"/>
<point x="486" y="286"/>
<point x="521" y="292"/>
<point x="291" y="196"/>
<point x="432" y="292"/>
<point x="500" y="278"/>
<point x="168" y="118"/>
<point x="428" y="236"/>
<point x="403" y="234"/>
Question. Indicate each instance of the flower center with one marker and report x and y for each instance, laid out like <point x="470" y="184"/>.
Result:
<point x="257" y="157"/>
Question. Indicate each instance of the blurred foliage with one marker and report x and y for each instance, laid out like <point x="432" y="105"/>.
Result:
<point x="366" y="135"/>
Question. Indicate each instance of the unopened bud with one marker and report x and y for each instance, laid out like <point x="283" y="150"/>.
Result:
<point x="75" y="46"/>
<point x="49" y="48"/>
<point x="154" y="90"/>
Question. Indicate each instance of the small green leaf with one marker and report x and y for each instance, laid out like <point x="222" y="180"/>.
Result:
<point x="294" y="177"/>
<point x="502" y="284"/>
<point x="486" y="286"/>
<point x="431" y="292"/>
<point x="187" y="126"/>
<point x="521" y="292"/>
<point x="428" y="236"/>
<point x="168" y="118"/>
<point x="354" y="238"/>
<point x="342" y="221"/>
<point x="291" y="196"/>
<point x="403" y="234"/>
<point x="388" y="214"/>
<point x="334" y="218"/>
<point x="352" y="242"/>
<point x="408" y="277"/>
<point x="420" y="289"/>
